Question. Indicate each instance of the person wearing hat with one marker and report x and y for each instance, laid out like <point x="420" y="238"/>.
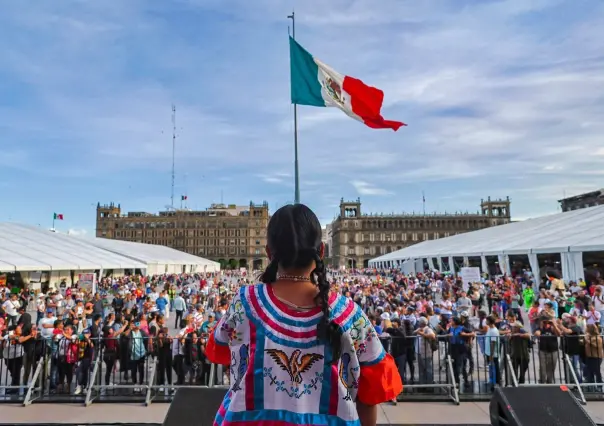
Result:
<point x="519" y="350"/>
<point x="548" y="334"/>
<point x="208" y="325"/>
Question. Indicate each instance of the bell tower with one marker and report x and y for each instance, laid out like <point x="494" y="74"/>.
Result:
<point x="105" y="215"/>
<point x="499" y="209"/>
<point x="350" y="209"/>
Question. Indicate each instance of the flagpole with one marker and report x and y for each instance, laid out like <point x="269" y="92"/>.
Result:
<point x="296" y="175"/>
<point x="53" y="222"/>
<point x="424" y="202"/>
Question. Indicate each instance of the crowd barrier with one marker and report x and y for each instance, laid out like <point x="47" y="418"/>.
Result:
<point x="443" y="370"/>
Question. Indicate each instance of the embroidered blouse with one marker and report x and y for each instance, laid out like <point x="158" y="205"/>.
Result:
<point x="282" y="375"/>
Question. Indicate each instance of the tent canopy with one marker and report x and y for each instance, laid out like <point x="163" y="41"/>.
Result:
<point x="29" y="248"/>
<point x="153" y="254"/>
<point x="575" y="231"/>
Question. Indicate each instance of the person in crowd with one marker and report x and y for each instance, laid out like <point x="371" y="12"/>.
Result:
<point x="180" y="306"/>
<point x="137" y="343"/>
<point x="594" y="352"/>
<point x="67" y="354"/>
<point x="85" y="355"/>
<point x="519" y="344"/>
<point x="528" y="295"/>
<point x="13" y="355"/>
<point x="571" y="344"/>
<point x="426" y="345"/>
<point x="11" y="308"/>
<point x="110" y="348"/>
<point x="547" y="336"/>
<point x="458" y="348"/>
<point x="163" y="352"/>
<point x="492" y="352"/>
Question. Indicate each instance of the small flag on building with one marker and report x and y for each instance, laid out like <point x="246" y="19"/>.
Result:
<point x="58" y="216"/>
<point x="317" y="84"/>
<point x="183" y="198"/>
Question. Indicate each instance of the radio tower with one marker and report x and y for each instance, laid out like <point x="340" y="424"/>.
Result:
<point x="173" y="150"/>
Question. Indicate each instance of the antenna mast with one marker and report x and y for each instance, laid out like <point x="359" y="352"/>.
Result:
<point x="173" y="150"/>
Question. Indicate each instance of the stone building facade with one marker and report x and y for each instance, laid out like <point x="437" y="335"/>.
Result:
<point x="233" y="235"/>
<point x="356" y="238"/>
<point x="581" y="201"/>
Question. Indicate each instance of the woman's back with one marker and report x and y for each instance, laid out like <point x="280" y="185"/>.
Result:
<point x="321" y="363"/>
<point x="280" y="371"/>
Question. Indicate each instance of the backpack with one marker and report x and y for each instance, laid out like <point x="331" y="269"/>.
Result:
<point x="72" y="353"/>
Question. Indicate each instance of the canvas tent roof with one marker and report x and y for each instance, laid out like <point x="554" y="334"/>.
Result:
<point x="29" y="248"/>
<point x="574" y="231"/>
<point x="151" y="253"/>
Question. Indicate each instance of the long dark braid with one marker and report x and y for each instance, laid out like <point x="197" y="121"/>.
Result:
<point x="269" y="275"/>
<point x="327" y="330"/>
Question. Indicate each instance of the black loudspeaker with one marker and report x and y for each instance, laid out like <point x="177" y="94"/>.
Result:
<point x="194" y="406"/>
<point x="523" y="406"/>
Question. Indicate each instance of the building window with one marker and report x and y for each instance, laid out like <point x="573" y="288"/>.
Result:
<point x="257" y="251"/>
<point x="414" y="236"/>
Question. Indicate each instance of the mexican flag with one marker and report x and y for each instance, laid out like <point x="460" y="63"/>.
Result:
<point x="58" y="216"/>
<point x="317" y="84"/>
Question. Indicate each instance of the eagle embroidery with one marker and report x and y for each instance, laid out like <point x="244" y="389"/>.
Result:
<point x="294" y="365"/>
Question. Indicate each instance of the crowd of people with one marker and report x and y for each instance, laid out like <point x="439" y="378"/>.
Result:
<point x="133" y="323"/>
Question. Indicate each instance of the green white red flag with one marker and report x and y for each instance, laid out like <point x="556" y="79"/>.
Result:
<point x="315" y="83"/>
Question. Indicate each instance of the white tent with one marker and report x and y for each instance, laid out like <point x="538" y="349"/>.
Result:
<point x="159" y="259"/>
<point x="28" y="248"/>
<point x="570" y="234"/>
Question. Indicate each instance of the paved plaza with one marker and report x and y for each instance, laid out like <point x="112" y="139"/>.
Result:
<point x="409" y="413"/>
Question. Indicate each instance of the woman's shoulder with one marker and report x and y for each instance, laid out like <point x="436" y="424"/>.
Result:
<point x="344" y="311"/>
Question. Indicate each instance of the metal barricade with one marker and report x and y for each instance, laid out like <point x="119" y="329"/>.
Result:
<point x="426" y="369"/>
<point x="439" y="371"/>
<point x="468" y="374"/>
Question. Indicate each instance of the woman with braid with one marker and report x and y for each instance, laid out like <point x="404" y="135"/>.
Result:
<point x="298" y="353"/>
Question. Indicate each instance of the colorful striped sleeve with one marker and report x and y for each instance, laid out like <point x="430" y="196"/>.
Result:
<point x="368" y="346"/>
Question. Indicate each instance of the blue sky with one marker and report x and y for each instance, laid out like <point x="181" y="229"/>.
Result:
<point x="501" y="97"/>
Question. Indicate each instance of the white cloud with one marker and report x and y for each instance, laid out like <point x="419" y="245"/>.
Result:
<point x="365" y="188"/>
